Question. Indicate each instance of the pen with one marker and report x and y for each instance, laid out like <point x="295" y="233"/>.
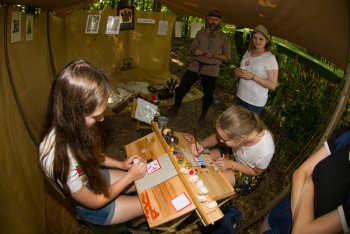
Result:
<point x="195" y="139"/>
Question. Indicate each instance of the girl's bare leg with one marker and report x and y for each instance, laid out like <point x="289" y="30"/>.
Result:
<point x="126" y="209"/>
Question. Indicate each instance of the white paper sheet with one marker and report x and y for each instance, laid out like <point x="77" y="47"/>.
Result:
<point x="178" y="29"/>
<point x="195" y="27"/>
<point x="163" y="27"/>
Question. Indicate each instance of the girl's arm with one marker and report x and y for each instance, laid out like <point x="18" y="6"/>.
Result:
<point x="124" y="165"/>
<point x="94" y="201"/>
<point x="269" y="83"/>
<point x="225" y="164"/>
<point x="302" y="173"/>
<point x="304" y="222"/>
<point x="208" y="142"/>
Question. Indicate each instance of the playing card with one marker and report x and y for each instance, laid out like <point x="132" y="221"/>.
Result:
<point x="153" y="166"/>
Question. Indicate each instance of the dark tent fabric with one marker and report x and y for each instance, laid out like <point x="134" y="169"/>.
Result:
<point x="27" y="70"/>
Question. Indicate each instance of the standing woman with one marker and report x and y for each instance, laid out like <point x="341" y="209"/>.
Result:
<point x="251" y="143"/>
<point x="70" y="150"/>
<point x="258" y="72"/>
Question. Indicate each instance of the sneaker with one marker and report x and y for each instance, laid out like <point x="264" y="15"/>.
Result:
<point x="172" y="111"/>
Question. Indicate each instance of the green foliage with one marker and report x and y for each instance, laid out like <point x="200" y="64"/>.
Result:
<point x="302" y="103"/>
<point x="27" y="9"/>
<point x="300" y="107"/>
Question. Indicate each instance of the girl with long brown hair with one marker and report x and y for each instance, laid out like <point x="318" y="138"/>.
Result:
<point x="251" y="144"/>
<point x="70" y="150"/>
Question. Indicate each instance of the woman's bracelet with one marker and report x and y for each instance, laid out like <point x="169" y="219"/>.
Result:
<point x="253" y="76"/>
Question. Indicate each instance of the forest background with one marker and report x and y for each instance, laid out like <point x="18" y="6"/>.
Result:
<point x="297" y="112"/>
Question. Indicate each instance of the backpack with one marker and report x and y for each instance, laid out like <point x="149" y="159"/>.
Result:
<point x="227" y="224"/>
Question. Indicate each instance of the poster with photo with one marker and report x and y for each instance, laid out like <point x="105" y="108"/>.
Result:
<point x="127" y="17"/>
<point x="113" y="25"/>
<point x="16" y="26"/>
<point x="29" y="27"/>
<point x="92" y="24"/>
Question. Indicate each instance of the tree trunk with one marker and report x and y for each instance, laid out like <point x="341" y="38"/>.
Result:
<point x="123" y="3"/>
<point x="157" y="6"/>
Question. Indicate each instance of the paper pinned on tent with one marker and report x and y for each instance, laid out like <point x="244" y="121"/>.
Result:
<point x="178" y="29"/>
<point x="195" y="27"/>
<point x="163" y="27"/>
<point x="145" y="21"/>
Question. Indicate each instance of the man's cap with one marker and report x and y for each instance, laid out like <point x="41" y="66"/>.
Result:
<point x="262" y="30"/>
<point x="214" y="13"/>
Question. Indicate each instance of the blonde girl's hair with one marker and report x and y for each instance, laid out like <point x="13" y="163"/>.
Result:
<point x="237" y="121"/>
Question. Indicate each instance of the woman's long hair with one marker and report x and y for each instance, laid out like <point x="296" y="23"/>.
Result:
<point x="76" y="92"/>
<point x="237" y="121"/>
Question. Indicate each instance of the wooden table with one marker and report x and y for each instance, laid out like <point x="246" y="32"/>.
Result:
<point x="156" y="203"/>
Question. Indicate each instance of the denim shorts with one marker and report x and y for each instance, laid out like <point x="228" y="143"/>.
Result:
<point x="101" y="216"/>
<point x="256" y="109"/>
<point x="280" y="217"/>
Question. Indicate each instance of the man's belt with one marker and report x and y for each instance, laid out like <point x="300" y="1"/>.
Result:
<point x="202" y="64"/>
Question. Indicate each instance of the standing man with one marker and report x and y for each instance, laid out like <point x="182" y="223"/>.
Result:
<point x="209" y="49"/>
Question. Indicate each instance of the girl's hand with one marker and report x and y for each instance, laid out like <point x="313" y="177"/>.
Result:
<point x="244" y="74"/>
<point x="138" y="170"/>
<point x="196" y="149"/>
<point x="129" y="161"/>
<point x="224" y="164"/>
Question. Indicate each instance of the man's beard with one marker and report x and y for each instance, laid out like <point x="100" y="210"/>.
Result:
<point x="213" y="27"/>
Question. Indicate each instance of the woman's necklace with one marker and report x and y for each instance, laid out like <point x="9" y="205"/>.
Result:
<point x="253" y="54"/>
<point x="247" y="63"/>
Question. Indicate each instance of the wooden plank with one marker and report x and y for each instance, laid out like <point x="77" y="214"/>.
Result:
<point x="154" y="199"/>
<point x="211" y="179"/>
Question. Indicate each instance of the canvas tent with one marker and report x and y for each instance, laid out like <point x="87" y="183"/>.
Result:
<point x="27" y="68"/>
<point x="319" y="25"/>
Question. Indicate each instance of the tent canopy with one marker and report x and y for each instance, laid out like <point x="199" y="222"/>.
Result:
<point x="322" y="26"/>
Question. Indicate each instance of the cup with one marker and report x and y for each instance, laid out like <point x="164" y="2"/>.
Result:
<point x="162" y="122"/>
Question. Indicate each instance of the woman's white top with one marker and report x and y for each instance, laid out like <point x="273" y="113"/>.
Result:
<point x="250" y="91"/>
<point x="258" y="155"/>
<point x="76" y="176"/>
